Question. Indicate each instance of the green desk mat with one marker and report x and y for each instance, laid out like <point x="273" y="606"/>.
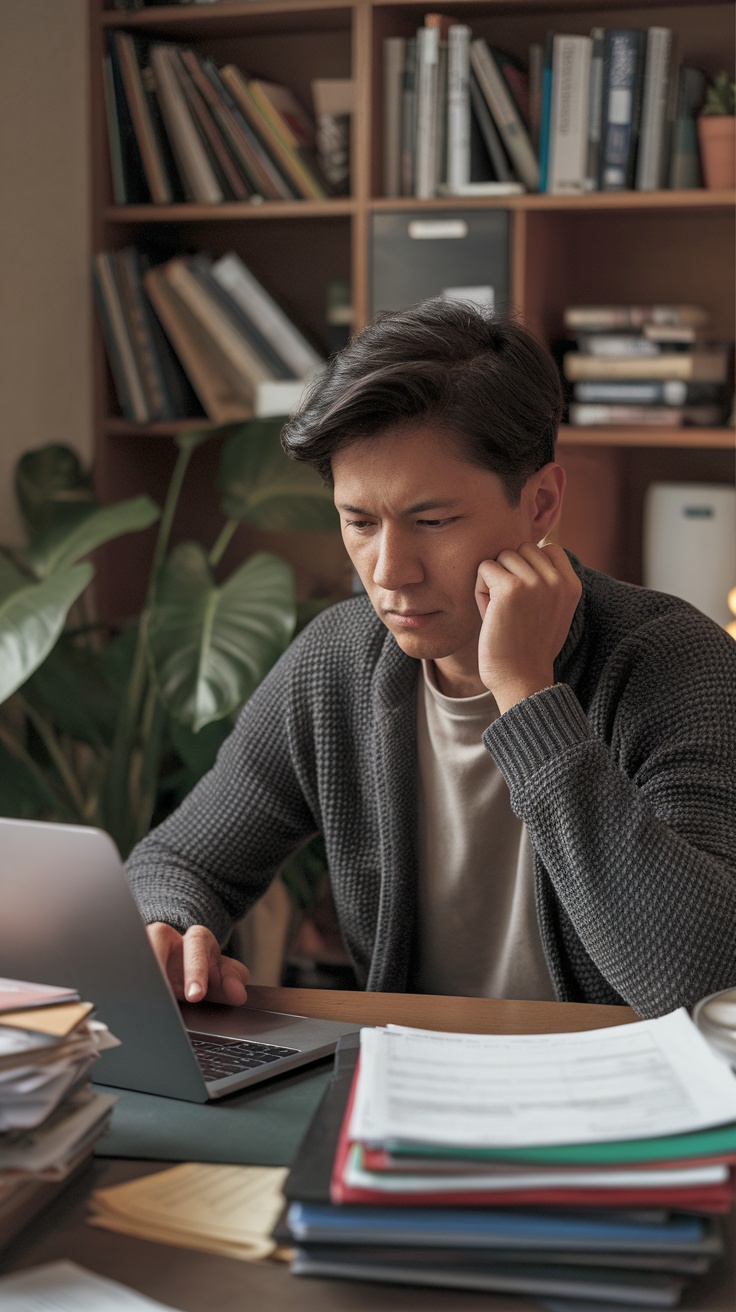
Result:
<point x="262" y="1126"/>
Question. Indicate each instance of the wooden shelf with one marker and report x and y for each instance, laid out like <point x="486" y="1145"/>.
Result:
<point x="226" y="213"/>
<point x="694" y="439"/>
<point x="624" y="247"/>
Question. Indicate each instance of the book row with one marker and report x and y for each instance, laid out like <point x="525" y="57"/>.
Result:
<point x="181" y="128"/>
<point x="645" y="366"/>
<point x="196" y="336"/>
<point x="609" y="111"/>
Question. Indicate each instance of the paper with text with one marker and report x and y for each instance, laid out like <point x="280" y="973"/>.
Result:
<point x="66" y="1287"/>
<point x="639" y="1081"/>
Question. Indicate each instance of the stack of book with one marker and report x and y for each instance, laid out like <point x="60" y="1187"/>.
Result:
<point x="196" y="335"/>
<point x="589" y="1166"/>
<point x="645" y="365"/>
<point x="180" y="128"/>
<point x="50" y="1118"/>
<point x="610" y="110"/>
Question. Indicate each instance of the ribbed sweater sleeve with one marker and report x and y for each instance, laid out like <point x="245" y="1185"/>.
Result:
<point x="632" y="809"/>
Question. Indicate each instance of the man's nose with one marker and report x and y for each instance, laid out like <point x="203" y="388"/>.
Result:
<point x="397" y="562"/>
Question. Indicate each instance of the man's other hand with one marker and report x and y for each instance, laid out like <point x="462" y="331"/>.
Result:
<point x="195" y="966"/>
<point x="526" y="599"/>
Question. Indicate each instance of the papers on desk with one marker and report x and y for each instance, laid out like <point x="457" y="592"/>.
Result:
<point x="66" y="1287"/>
<point x="520" y="1090"/>
<point x="608" y="1145"/>
<point x="230" y="1210"/>
<point x="49" y="1117"/>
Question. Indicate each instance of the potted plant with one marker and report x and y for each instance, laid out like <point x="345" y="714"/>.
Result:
<point x="717" y="134"/>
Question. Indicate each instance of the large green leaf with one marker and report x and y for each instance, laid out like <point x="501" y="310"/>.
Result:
<point x="210" y="646"/>
<point x="72" y="687"/>
<point x="31" y="620"/>
<point x="263" y="486"/>
<point x="50" y="484"/>
<point x="62" y="545"/>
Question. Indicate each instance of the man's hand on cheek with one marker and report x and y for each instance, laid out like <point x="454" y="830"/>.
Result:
<point x="526" y="599"/>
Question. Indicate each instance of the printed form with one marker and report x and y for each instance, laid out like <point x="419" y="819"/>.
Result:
<point x="639" y="1081"/>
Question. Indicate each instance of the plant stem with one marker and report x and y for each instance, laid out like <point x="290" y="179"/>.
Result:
<point x="222" y="543"/>
<point x="17" y="750"/>
<point x="56" y="753"/>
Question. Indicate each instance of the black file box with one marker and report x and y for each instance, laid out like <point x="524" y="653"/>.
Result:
<point x="421" y="253"/>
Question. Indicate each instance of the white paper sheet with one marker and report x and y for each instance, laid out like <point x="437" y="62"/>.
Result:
<point x="66" y="1287"/>
<point x="651" y="1078"/>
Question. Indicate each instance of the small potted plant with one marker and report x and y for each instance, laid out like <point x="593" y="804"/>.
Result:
<point x="717" y="134"/>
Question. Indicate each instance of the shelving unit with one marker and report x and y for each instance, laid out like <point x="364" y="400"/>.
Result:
<point x="620" y="247"/>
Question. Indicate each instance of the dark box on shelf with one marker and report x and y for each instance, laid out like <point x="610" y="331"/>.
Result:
<point x="459" y="253"/>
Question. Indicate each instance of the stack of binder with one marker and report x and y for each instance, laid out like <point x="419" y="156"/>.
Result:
<point x="397" y="1182"/>
<point x="50" y="1119"/>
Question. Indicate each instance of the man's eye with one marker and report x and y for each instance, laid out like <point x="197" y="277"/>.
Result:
<point x="436" y="523"/>
<point x="359" y="523"/>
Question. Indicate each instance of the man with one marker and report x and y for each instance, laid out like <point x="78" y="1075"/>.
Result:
<point x="524" y="771"/>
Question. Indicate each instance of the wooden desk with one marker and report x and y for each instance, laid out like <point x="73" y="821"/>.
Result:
<point x="198" y="1282"/>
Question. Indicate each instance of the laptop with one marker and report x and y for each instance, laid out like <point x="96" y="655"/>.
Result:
<point x="68" y="917"/>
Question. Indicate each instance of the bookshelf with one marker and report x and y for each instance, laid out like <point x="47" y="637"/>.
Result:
<point x="619" y="246"/>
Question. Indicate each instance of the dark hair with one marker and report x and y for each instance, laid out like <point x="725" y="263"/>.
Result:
<point x="482" y="378"/>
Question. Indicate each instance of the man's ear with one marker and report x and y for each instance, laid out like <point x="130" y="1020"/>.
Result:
<point x="543" y="494"/>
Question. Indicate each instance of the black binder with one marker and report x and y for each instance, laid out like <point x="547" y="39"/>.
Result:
<point x="422" y="253"/>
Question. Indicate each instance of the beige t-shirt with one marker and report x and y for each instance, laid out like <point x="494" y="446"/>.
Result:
<point x="477" y="925"/>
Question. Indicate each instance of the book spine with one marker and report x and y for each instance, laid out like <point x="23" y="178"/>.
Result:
<point x="136" y="187"/>
<point x="200" y="268"/>
<point x="126" y="274"/>
<point x="284" y="336"/>
<point x="253" y="159"/>
<point x="113" y="135"/>
<point x="595" y="110"/>
<point x="290" y="133"/>
<point x="536" y="69"/>
<point x="394" y="61"/>
<point x="120" y="348"/>
<point x="502" y="172"/>
<point x="211" y="134"/>
<point x="622" y="83"/>
<point x="409" y="119"/>
<point x="298" y="176"/>
<point x="508" y="120"/>
<point x="667" y="391"/>
<point x="236" y="352"/>
<point x="645" y="416"/>
<point x="545" y="121"/>
<point x="458" y="106"/>
<point x="696" y="366"/>
<point x="153" y="165"/>
<point x="428" y="47"/>
<point x="191" y="157"/>
<point x="222" y="401"/>
<point x="651" y="158"/>
<point x="569" y="121"/>
<point x="685" y="171"/>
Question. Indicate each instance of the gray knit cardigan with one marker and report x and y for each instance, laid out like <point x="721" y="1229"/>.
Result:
<point x="624" y="773"/>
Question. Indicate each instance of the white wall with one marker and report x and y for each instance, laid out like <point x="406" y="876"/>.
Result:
<point x="45" y="369"/>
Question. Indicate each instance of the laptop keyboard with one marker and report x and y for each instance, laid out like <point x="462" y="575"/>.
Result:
<point x="218" y="1057"/>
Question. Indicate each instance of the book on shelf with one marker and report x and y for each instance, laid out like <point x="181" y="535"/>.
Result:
<point x="603" y="318"/>
<point x="195" y="168"/>
<point x="657" y="110"/>
<point x="197" y="335"/>
<point x="708" y="364"/>
<point x="595" y="109"/>
<point x="506" y="114"/>
<point x="500" y="169"/>
<point x="394" y="66"/>
<point x="181" y="128"/>
<point x="536" y="72"/>
<point x="623" y="76"/>
<point x="645" y="416"/>
<point x="666" y="391"/>
<point x="684" y="165"/>
<point x="569" y="119"/>
<point x="458" y="108"/>
<point x="426" y="167"/>
<point x="130" y="61"/>
<point x="409" y="118"/>
<point x="333" y="99"/>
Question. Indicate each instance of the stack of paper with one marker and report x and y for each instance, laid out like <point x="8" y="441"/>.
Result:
<point x="613" y="1148"/>
<point x="49" y="1116"/>
<point x="230" y="1210"/>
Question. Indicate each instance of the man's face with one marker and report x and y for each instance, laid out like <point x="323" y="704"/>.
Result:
<point x="417" y="520"/>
